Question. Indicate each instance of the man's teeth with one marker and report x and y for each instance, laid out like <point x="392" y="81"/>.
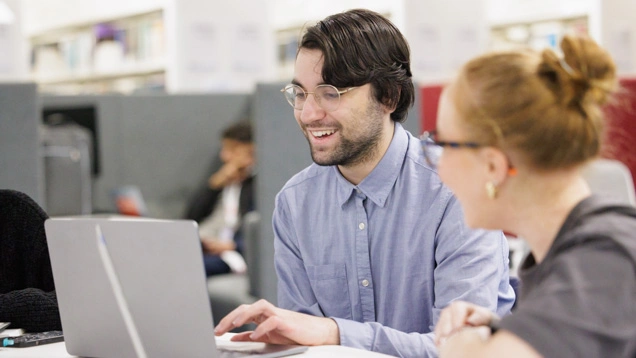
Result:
<point x="322" y="133"/>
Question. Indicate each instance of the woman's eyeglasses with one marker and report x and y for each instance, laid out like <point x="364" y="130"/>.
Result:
<point x="327" y="96"/>
<point x="433" y="146"/>
<point x="433" y="149"/>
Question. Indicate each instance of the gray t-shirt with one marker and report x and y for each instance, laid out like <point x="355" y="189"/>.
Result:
<point x="580" y="301"/>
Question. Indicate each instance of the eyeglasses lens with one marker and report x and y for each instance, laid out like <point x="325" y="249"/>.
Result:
<point x="327" y="97"/>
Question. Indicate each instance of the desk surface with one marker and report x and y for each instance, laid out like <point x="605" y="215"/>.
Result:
<point x="58" y="350"/>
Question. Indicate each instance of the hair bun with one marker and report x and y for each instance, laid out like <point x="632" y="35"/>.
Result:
<point x="585" y="75"/>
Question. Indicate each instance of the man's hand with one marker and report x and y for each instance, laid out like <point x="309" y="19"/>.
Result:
<point x="216" y="247"/>
<point x="278" y="326"/>
<point x="458" y="315"/>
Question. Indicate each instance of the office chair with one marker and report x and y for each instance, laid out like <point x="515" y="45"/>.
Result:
<point x="610" y="178"/>
<point x="26" y="277"/>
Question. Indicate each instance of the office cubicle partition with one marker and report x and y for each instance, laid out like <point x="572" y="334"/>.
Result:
<point x="163" y="144"/>
<point x="20" y="164"/>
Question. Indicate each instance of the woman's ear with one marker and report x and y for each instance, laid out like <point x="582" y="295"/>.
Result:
<point x="497" y="164"/>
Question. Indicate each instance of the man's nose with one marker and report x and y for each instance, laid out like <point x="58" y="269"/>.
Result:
<point x="311" y="110"/>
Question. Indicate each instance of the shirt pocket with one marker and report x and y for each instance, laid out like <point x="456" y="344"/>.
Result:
<point x="330" y="286"/>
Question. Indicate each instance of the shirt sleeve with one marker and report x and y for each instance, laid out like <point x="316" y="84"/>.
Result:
<point x="580" y="308"/>
<point x="378" y="338"/>
<point x="294" y="290"/>
<point x="471" y="265"/>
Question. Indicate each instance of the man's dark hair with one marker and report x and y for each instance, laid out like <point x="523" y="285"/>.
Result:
<point x="240" y="131"/>
<point x="359" y="47"/>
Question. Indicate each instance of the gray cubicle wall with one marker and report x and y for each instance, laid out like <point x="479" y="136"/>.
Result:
<point x="282" y="152"/>
<point x="163" y="144"/>
<point x="171" y="141"/>
<point x="20" y="163"/>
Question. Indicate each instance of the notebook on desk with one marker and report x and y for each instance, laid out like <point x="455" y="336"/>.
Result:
<point x="133" y="287"/>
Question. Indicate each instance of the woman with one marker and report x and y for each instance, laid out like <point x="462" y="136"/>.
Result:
<point x="518" y="127"/>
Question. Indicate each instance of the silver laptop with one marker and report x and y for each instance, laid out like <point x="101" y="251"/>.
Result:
<point x="131" y="287"/>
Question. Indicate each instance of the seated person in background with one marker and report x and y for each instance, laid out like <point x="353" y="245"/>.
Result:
<point x="370" y="246"/>
<point x="228" y="195"/>
<point x="27" y="291"/>
<point x="518" y="127"/>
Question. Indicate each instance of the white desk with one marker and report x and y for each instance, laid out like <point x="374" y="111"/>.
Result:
<point x="58" y="350"/>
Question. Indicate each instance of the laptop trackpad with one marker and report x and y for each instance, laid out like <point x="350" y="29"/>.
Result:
<point x="228" y="349"/>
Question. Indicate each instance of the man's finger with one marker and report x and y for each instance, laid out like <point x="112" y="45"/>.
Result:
<point x="253" y="313"/>
<point x="241" y="337"/>
<point x="226" y="324"/>
<point x="269" y="325"/>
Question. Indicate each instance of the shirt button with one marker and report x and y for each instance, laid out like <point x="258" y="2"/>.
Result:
<point x="361" y="226"/>
<point x="365" y="283"/>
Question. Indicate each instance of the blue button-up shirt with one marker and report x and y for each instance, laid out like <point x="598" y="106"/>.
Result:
<point x="384" y="257"/>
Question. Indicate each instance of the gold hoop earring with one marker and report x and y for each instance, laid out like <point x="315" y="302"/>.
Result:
<point x="491" y="190"/>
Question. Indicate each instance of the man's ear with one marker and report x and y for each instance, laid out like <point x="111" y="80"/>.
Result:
<point x="386" y="101"/>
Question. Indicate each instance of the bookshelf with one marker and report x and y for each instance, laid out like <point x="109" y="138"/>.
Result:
<point x="537" y="34"/>
<point x="287" y="38"/>
<point x="110" y="55"/>
<point x="287" y="45"/>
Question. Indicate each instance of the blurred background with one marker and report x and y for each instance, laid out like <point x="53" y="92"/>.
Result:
<point x="93" y="46"/>
<point x="104" y="102"/>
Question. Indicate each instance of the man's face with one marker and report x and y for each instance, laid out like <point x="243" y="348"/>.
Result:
<point x="346" y="136"/>
<point x="239" y="153"/>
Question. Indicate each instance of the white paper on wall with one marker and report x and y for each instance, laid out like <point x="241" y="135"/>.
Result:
<point x="247" y="44"/>
<point x="620" y="45"/>
<point x="203" y="50"/>
<point x="428" y="57"/>
<point x="7" y="62"/>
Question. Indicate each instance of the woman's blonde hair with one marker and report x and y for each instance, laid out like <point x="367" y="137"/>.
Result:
<point x="546" y="108"/>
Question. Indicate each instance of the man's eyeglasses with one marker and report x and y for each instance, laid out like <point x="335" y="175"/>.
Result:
<point x="433" y="147"/>
<point x="327" y="96"/>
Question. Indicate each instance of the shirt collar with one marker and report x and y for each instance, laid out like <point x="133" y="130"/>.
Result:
<point x="378" y="184"/>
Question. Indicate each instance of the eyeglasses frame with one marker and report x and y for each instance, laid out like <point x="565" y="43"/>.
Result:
<point x="307" y="93"/>
<point x="426" y="139"/>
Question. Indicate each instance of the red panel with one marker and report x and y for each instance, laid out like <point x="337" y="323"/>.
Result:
<point x="620" y="141"/>
<point x="430" y="99"/>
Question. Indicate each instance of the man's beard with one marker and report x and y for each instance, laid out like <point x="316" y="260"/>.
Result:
<point x="353" y="151"/>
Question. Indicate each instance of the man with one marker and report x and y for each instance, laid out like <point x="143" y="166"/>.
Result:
<point x="226" y="197"/>
<point x="370" y="246"/>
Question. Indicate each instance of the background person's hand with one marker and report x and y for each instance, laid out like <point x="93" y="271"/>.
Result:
<point x="459" y="315"/>
<point x="229" y="173"/>
<point x="216" y="247"/>
<point x="237" y="169"/>
<point x="278" y="326"/>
